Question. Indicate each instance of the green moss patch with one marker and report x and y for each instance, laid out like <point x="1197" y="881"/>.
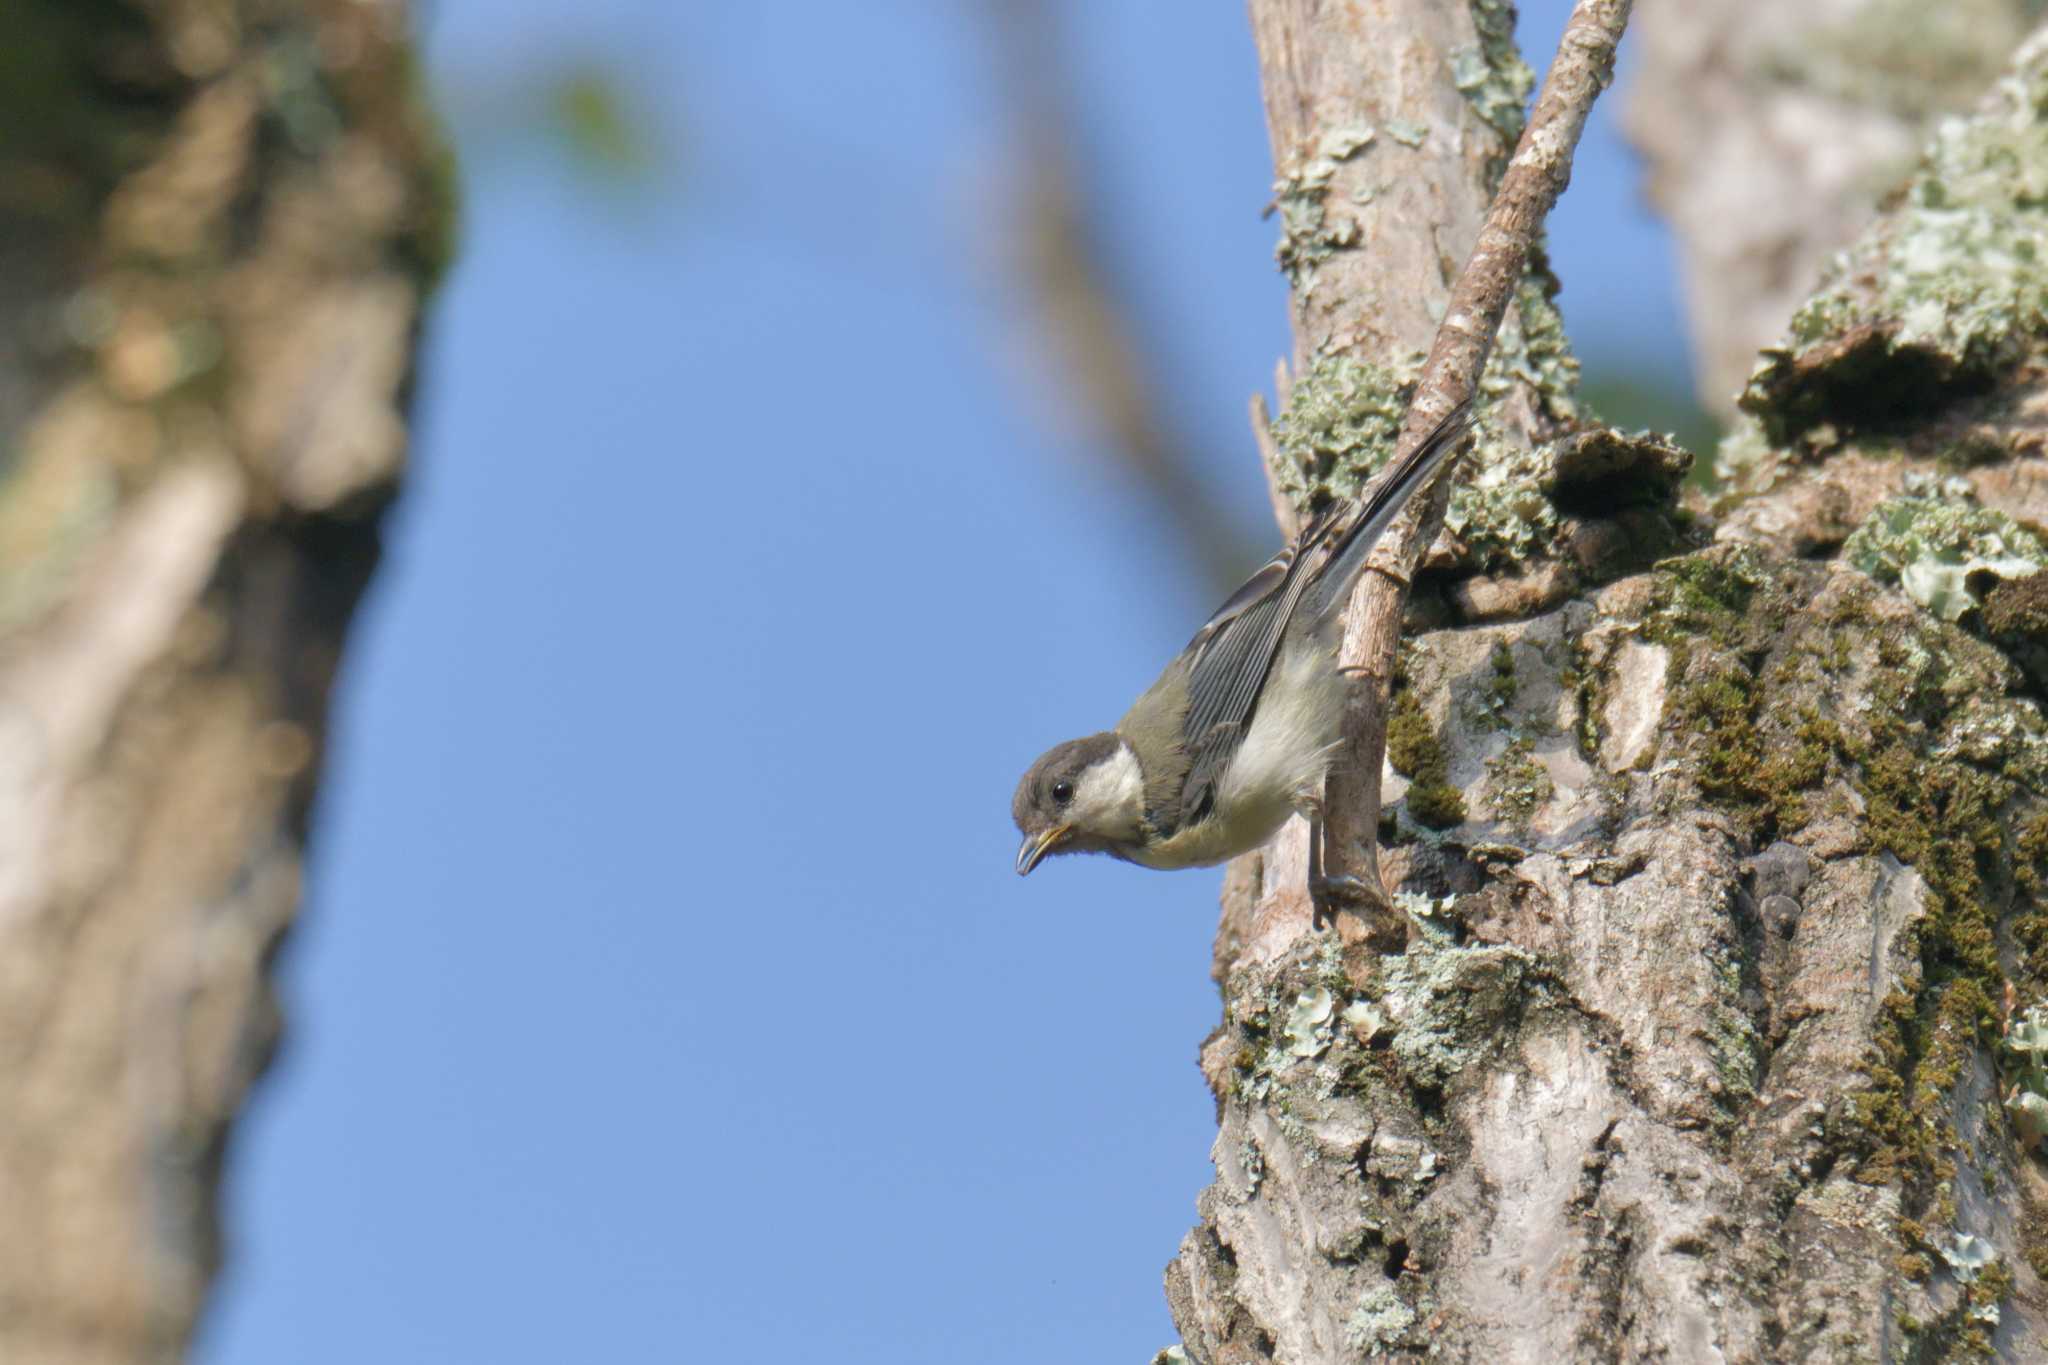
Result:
<point x="1940" y="765"/>
<point x="1416" y="753"/>
<point x="1721" y="615"/>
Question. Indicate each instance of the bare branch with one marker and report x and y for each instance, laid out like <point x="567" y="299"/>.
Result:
<point x="1067" y="300"/>
<point x="1269" y="460"/>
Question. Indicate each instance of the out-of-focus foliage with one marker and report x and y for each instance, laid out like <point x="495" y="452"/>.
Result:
<point x="589" y="112"/>
<point x="599" y="121"/>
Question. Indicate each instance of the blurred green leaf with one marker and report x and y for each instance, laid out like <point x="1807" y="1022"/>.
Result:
<point x="590" y="112"/>
<point x="593" y="114"/>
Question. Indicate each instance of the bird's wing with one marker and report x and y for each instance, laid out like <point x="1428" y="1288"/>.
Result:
<point x="1229" y="659"/>
<point x="1231" y="656"/>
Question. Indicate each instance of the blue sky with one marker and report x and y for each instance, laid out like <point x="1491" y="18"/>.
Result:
<point x="664" y="992"/>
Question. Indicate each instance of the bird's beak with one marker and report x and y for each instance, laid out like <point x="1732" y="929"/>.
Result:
<point x="1034" y="849"/>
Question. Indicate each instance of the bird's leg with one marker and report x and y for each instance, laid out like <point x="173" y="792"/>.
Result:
<point x="1316" y="881"/>
<point x="1326" y="894"/>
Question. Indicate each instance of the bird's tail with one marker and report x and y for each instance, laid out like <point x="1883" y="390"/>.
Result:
<point x="1382" y="501"/>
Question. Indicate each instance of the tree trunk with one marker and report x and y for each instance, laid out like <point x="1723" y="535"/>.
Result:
<point x="217" y="222"/>
<point x="1722" y="847"/>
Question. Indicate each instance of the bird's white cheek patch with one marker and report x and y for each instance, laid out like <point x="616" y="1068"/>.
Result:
<point x="1109" y="799"/>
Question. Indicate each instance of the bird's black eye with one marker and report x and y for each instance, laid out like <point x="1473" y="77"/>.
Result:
<point x="1063" y="792"/>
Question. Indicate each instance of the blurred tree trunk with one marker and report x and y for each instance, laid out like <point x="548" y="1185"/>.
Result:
<point x="218" y="221"/>
<point x="1722" y="844"/>
<point x="1772" y="131"/>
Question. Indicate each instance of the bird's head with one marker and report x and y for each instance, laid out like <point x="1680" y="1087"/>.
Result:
<point x="1083" y="796"/>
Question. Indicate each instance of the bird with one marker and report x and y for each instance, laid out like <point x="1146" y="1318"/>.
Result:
<point x="1239" y="730"/>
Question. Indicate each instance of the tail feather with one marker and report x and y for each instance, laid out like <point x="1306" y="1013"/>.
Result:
<point x="1383" y="500"/>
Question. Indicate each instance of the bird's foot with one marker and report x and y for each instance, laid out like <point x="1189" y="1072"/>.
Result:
<point x="1327" y="895"/>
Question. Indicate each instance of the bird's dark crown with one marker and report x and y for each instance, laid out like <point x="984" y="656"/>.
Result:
<point x="1039" y="803"/>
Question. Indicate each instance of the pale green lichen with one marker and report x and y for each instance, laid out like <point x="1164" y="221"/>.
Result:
<point x="1908" y="57"/>
<point x="1952" y="283"/>
<point x="1730" y="1035"/>
<point x="1430" y="914"/>
<point x="2001" y="734"/>
<point x="1341" y="425"/>
<point x="1172" y="1355"/>
<point x="2026" y="1044"/>
<point x="2027" y="1038"/>
<point x="1379" y="1321"/>
<point x="1746" y="462"/>
<point x="1492" y="76"/>
<point x="1407" y="132"/>
<point x="1367" y="1020"/>
<point x="1516" y="784"/>
<point x="1941" y="548"/>
<point x="299" y="93"/>
<point x="1342" y="419"/>
<point x="1344" y="415"/>
<point x="1502" y="509"/>
<point x="1308" y="235"/>
<point x="2029" y="1110"/>
<point x="1307" y="1029"/>
<point x="1533" y="348"/>
<point x="1967" y="1256"/>
<point x="1283" y="1018"/>
<point x="1446" y="1002"/>
<point x="1300" y="1140"/>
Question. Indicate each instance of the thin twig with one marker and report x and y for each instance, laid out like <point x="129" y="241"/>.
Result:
<point x="1537" y="174"/>
<point x="1269" y="461"/>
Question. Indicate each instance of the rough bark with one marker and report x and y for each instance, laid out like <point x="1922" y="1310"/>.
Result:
<point x="1724" y="875"/>
<point x="1771" y="131"/>
<point x="217" y="224"/>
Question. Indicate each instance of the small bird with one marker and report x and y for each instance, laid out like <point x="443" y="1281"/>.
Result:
<point x="1237" y="733"/>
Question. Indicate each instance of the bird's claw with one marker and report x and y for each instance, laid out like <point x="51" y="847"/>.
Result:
<point x="1329" y="894"/>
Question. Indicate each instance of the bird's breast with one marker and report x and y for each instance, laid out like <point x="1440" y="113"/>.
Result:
<point x="1298" y="725"/>
<point x="1277" y="769"/>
